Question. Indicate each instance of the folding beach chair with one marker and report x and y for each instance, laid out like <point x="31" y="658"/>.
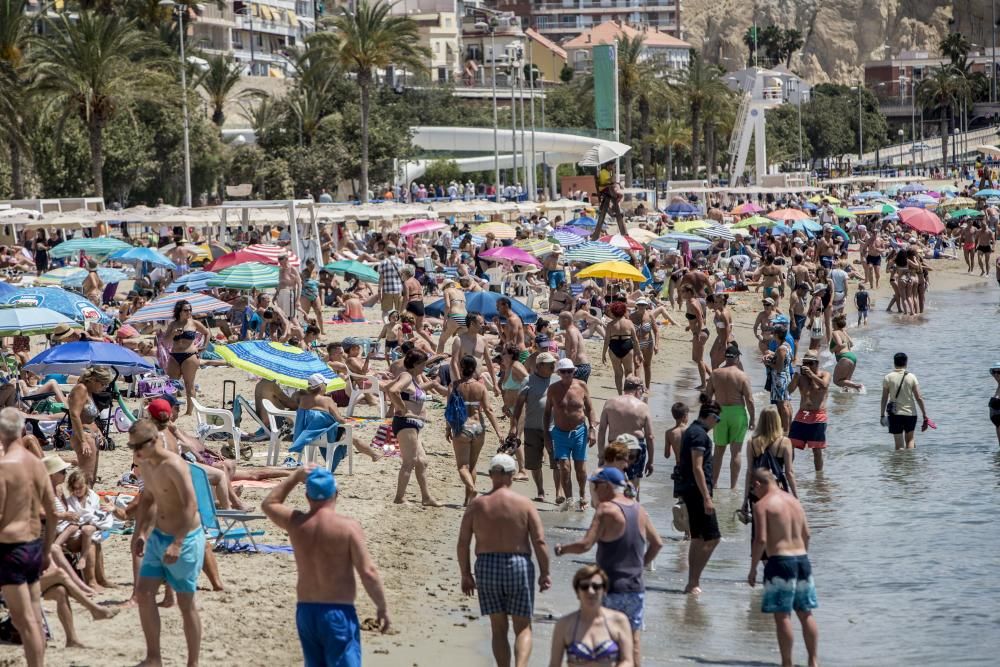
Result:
<point x="221" y="525"/>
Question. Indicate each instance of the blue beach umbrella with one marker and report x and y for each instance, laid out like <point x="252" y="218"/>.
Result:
<point x="682" y="208"/>
<point x="584" y="221"/>
<point x="592" y="252"/>
<point x="579" y="231"/>
<point x="140" y="255"/>
<point x="73" y="306"/>
<point x="195" y="282"/>
<point x="781" y="230"/>
<point x="6" y="288"/>
<point x="30" y="321"/>
<point x="988" y="192"/>
<point x="870" y="194"/>
<point x="485" y="303"/>
<point x="74" y="357"/>
<point x="807" y="225"/>
<point x="672" y="241"/>
<point x="913" y="187"/>
<point x="285" y="364"/>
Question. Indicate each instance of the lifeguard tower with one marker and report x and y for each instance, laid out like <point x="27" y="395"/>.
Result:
<point x="760" y="90"/>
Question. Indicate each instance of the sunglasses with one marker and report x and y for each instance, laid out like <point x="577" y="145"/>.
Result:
<point x="591" y="586"/>
<point x="566" y="371"/>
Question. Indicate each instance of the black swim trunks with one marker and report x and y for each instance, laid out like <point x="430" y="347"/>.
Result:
<point x="701" y="526"/>
<point x="20" y="563"/>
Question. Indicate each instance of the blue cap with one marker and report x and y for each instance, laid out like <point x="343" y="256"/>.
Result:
<point x="612" y="476"/>
<point x="320" y="484"/>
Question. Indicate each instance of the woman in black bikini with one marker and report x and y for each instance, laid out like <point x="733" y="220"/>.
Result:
<point x="695" y="314"/>
<point x="83" y="413"/>
<point x="183" y="361"/>
<point x="623" y="342"/>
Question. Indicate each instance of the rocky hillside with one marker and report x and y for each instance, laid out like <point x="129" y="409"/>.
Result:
<point x="839" y="35"/>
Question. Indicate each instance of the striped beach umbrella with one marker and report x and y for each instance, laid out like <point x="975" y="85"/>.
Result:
<point x="673" y="241"/>
<point x="716" y="232"/>
<point x="566" y="239"/>
<point x="252" y="275"/>
<point x="579" y="231"/>
<point x="162" y="309"/>
<point x="99" y="247"/>
<point x="592" y="252"/>
<point x="195" y="282"/>
<point x="536" y="247"/>
<point x="272" y="253"/>
<point x="285" y="364"/>
<point x="499" y="230"/>
<point x="73" y="276"/>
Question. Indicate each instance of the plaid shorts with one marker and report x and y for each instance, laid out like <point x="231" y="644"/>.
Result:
<point x="506" y="584"/>
<point x="631" y="604"/>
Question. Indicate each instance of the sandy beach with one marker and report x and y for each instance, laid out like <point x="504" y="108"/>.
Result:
<point x="252" y="621"/>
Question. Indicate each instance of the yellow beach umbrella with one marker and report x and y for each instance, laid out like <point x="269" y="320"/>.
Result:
<point x="817" y="199"/>
<point x="499" y="229"/>
<point x="536" y="247"/>
<point x="614" y="270"/>
<point x="956" y="203"/>
<point x="685" y="226"/>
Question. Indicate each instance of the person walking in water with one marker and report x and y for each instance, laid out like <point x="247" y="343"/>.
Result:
<point x="694" y="485"/>
<point x="507" y="528"/>
<point x="730" y="386"/>
<point x="783" y="531"/>
<point x="329" y="548"/>
<point x="900" y="398"/>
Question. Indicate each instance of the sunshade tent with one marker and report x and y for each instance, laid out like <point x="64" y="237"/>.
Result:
<point x="344" y="266"/>
<point x="499" y="230"/>
<point x="140" y="256"/>
<point x="623" y="242"/>
<point x="592" y="252"/>
<point x="162" y="309"/>
<point x="485" y="303"/>
<point x="195" y="282"/>
<point x="285" y="364"/>
<point x="74" y="357"/>
<point x="73" y="276"/>
<point x="421" y="226"/>
<point x="921" y="220"/>
<point x="614" y="270"/>
<point x="98" y="246"/>
<point x="252" y="275"/>
<point x="788" y="215"/>
<point x="511" y="254"/>
<point x="73" y="306"/>
<point x="30" y="321"/>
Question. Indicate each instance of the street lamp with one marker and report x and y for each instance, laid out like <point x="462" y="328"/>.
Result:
<point x="861" y="141"/>
<point x="954" y="147"/>
<point x="900" y="134"/>
<point x="798" y="101"/>
<point x="178" y="11"/>
<point x="491" y="26"/>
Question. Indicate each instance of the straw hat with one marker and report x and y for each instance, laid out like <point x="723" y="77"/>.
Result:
<point x="54" y="464"/>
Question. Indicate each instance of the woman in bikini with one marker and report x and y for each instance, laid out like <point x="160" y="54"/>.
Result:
<point x="847" y="361"/>
<point x="454" y="313"/>
<point x="769" y="448"/>
<point x="644" y="319"/>
<point x="407" y="399"/>
<point x="593" y="634"/>
<point x="83" y="413"/>
<point x="183" y="361"/>
<point x="93" y="286"/>
<point x="623" y="341"/>
<point x="695" y="314"/>
<point x="722" y="320"/>
<point x="762" y="325"/>
<point x="309" y="296"/>
<point x="469" y="439"/>
<point x="413" y="296"/>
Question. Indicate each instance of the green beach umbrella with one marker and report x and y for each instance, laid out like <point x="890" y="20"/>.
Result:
<point x="99" y="246"/>
<point x="251" y="275"/>
<point x="889" y="209"/>
<point x="965" y="213"/>
<point x="755" y="221"/>
<point x="842" y="212"/>
<point x="363" y="271"/>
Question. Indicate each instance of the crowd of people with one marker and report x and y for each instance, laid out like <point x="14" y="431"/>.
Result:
<point x="484" y="368"/>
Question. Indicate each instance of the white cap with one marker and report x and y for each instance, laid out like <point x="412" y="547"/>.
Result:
<point x="628" y="440"/>
<point x="565" y="365"/>
<point x="504" y="462"/>
<point x="317" y="380"/>
<point x="642" y="301"/>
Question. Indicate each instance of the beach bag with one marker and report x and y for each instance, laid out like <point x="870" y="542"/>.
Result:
<point x="455" y="412"/>
<point x="680" y="517"/>
<point x="890" y="407"/>
<point x="385" y="440"/>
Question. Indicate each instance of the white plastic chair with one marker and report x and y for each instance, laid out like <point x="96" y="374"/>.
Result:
<point x="272" y="413"/>
<point x="311" y="450"/>
<point x="358" y="386"/>
<point x="496" y="276"/>
<point x="203" y="417"/>
<point x="522" y="288"/>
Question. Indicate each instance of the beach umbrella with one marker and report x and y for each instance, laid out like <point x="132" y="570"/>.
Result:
<point x="717" y="232"/>
<point x="623" y="242"/>
<point x="196" y="281"/>
<point x="252" y="275"/>
<point x="98" y="246"/>
<point x="988" y="192"/>
<point x="672" y="242"/>
<point x="958" y="202"/>
<point x="6" y="288"/>
<point x="364" y="272"/>
<point x="755" y="221"/>
<point x="421" y="226"/>
<point x="912" y="187"/>
<point x="839" y="231"/>
<point x="865" y="210"/>
<point x="788" y="214"/>
<point x="579" y="231"/>
<point x="287" y="365"/>
<point x="273" y="252"/>
<point x="685" y="226"/>
<point x="870" y="194"/>
<point x="965" y="213"/>
<point x="73" y="276"/>
<point x="456" y="242"/>
<point x="641" y="235"/>
<point x="842" y="212"/>
<point x="141" y="255"/>
<point x="682" y="209"/>
<point x="949" y="190"/>
<point x="162" y="308"/>
<point x="205" y="251"/>
<point x="808" y="225"/>
<point x="807" y="206"/>
<point x="583" y="221"/>
<point x="499" y="230"/>
<point x="485" y="303"/>
<point x="921" y="220"/>
<point x="511" y="254"/>
<point x="819" y="199"/>
<point x="592" y="252"/>
<point x="920" y="201"/>
<point x="30" y="321"/>
<point x="747" y="208"/>
<point x="889" y="209"/>
<point x="567" y="239"/>
<point x="615" y="270"/>
<point x="781" y="230"/>
<point x="70" y="304"/>
<point x="536" y="247"/>
<point x="74" y="357"/>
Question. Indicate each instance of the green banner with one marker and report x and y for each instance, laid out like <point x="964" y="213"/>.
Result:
<point x="605" y="94"/>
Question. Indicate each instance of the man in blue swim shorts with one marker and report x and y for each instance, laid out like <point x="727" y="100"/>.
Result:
<point x="783" y="534"/>
<point x="570" y="425"/>
<point x="171" y="545"/>
<point x="329" y="549"/>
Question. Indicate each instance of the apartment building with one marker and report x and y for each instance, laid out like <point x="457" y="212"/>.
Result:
<point x="566" y="19"/>
<point x="670" y="53"/>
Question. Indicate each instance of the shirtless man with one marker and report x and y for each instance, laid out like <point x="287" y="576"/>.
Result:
<point x="799" y="270"/>
<point x="471" y="342"/>
<point x="289" y="288"/>
<point x="512" y="331"/>
<point x="798" y="306"/>
<point x="967" y="237"/>
<point x="507" y="527"/>
<point x="574" y="347"/>
<point x="329" y="550"/>
<point x="698" y="280"/>
<point x="770" y="279"/>
<point x="730" y="387"/>
<point x="630" y="414"/>
<point x="872" y="251"/>
<point x="181" y="255"/>
<point x="174" y="550"/>
<point x="25" y="491"/>
<point x="783" y="532"/>
<point x="808" y="429"/>
<point x="984" y="247"/>
<point x="554" y="273"/>
<point x="270" y="390"/>
<point x="569" y="429"/>
<point x="825" y="249"/>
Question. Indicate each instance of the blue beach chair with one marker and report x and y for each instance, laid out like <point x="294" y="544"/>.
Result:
<point x="221" y="525"/>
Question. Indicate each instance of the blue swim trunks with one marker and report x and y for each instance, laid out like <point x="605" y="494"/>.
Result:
<point x="631" y="604"/>
<point x="788" y="585"/>
<point x="569" y="444"/>
<point x="182" y="575"/>
<point x="329" y="633"/>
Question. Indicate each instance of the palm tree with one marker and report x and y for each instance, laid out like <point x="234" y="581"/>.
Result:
<point x="95" y="67"/>
<point x="940" y="91"/>
<point x="368" y="39"/>
<point x="955" y="47"/>
<point x="673" y="136"/>
<point x="218" y="82"/>
<point x="720" y="116"/>
<point x="264" y="116"/>
<point x="699" y="84"/>
<point x="14" y="30"/>
<point x="633" y="72"/>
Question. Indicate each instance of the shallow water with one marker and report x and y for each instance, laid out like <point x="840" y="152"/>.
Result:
<point x="905" y="546"/>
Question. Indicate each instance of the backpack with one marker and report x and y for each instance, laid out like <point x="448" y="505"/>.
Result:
<point x="455" y="412"/>
<point x="768" y="461"/>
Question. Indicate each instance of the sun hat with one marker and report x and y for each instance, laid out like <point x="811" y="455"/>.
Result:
<point x="768" y="301"/>
<point x="320" y="484"/>
<point x="54" y="464"/>
<point x="628" y="440"/>
<point x="565" y="365"/>
<point x="545" y="358"/>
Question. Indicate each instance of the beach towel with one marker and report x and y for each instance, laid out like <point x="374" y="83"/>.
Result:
<point x="312" y="425"/>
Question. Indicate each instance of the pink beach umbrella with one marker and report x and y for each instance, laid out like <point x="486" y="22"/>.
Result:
<point x="749" y="208"/>
<point x="788" y="214"/>
<point x="921" y="220"/>
<point x="420" y="226"/>
<point x="511" y="254"/>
